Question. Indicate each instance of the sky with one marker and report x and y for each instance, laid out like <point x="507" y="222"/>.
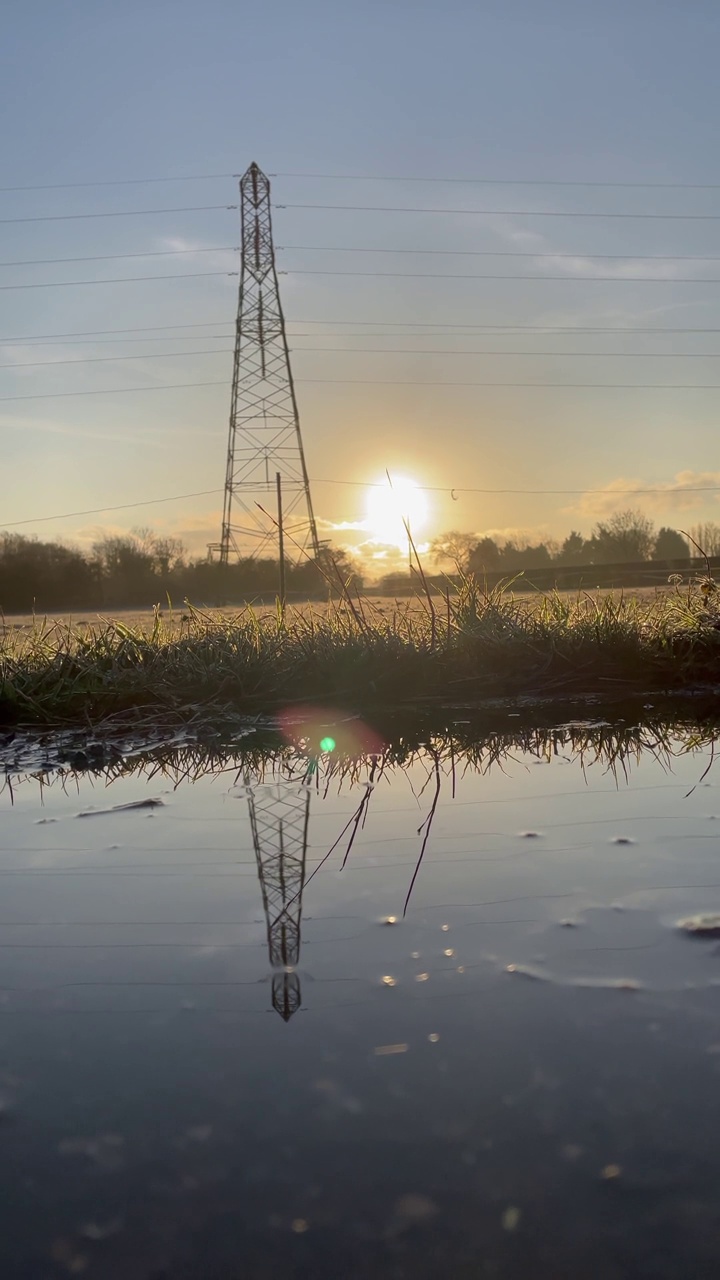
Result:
<point x="541" y="104"/>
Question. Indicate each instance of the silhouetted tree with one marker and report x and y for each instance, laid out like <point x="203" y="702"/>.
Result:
<point x="670" y="545"/>
<point x="44" y="576"/>
<point x="627" y="536"/>
<point x="573" y="550"/>
<point x="514" y="557"/>
<point x="484" y="557"/>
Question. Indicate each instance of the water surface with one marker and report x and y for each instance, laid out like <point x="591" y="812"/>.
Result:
<point x="231" y="1046"/>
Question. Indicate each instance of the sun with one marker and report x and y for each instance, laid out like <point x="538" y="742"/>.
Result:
<point x="390" y="507"/>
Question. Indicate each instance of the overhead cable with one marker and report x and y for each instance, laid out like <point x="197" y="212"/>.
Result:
<point x="501" y="182"/>
<point x="332" y="248"/>
<point x="362" y="484"/>
<point x="498" y="253"/>
<point x="119" y="182"/>
<point x="66" y="284"/>
<point x="120" y="213"/>
<point x="391" y="382"/>
<point x="374" y="351"/>
<point x="392" y="275"/>
<point x="509" y="213"/>
<point x="123" y="506"/>
<point x="464" y="275"/>
<point x="115" y="391"/>
<point x="378" y="177"/>
<point x="115" y="257"/>
<point x="139" y="355"/>
<point x="389" y="324"/>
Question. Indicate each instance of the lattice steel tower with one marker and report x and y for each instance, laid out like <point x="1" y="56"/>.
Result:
<point x="264" y="437"/>
<point x="279" y="819"/>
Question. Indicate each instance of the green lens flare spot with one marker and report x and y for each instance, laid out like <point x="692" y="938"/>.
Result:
<point x="327" y="744"/>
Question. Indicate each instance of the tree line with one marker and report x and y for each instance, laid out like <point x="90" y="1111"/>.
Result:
<point x="625" y="538"/>
<point x="141" y="569"/>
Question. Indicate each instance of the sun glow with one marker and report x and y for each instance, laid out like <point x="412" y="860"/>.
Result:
<point x="392" y="507"/>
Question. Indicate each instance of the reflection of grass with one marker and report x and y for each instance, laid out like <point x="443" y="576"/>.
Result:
<point x="263" y="756"/>
<point x="475" y="644"/>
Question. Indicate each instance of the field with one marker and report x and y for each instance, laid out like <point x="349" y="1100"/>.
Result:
<point x="382" y="605"/>
<point x="361" y="654"/>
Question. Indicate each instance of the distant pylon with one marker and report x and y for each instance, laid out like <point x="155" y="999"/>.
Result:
<point x="279" y="819"/>
<point x="264" y="436"/>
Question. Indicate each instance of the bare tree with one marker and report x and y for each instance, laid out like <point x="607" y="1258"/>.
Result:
<point x="707" y="536"/>
<point x="453" y="546"/>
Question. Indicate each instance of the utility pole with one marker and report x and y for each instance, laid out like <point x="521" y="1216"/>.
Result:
<point x="281" y="541"/>
<point x="264" y="433"/>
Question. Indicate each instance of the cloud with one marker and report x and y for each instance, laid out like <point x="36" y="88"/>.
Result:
<point x="672" y="495"/>
<point x="522" y="536"/>
<point x="580" y="266"/>
<point x="337" y="526"/>
<point x="213" y="257"/>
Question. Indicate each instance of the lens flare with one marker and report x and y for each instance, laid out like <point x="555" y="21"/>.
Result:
<point x="319" y="730"/>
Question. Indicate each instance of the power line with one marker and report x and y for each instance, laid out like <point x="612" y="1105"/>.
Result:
<point x="395" y="333"/>
<point x="181" y="337"/>
<point x="520" y="213"/>
<point x="66" y="284"/>
<point x="139" y="355"/>
<point x="375" y="351"/>
<point x="394" y="275"/>
<point x="115" y="257"/>
<point x="120" y="213"/>
<point x="203" y="337"/>
<point x="503" y="182"/>
<point x="425" y="351"/>
<point x="393" y="382"/>
<point x="123" y="506"/>
<point x="370" y="177"/>
<point x="428" y="488"/>
<point x="498" y="253"/>
<point x="362" y="484"/>
<point x="90" y="333"/>
<point x="332" y="248"/>
<point x="464" y="275"/>
<point x="120" y="182"/>
<point x="116" y="391"/>
<point x="509" y="213"/>
<point x="518" y="328"/>
<point x="388" y="324"/>
<point x="178" y="337"/>
<point x="599" y="386"/>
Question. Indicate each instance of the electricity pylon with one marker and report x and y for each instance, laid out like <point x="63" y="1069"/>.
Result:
<point x="279" y="819"/>
<point x="264" y="438"/>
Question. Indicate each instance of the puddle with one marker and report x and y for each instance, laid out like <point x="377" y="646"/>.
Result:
<point x="451" y="1010"/>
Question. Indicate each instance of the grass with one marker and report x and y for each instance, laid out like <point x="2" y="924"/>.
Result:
<point x="470" y="646"/>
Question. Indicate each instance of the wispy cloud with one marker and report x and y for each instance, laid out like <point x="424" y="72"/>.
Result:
<point x="672" y="495"/>
<point x="213" y="257"/>
<point x="341" y="526"/>
<point x="580" y="266"/>
<point x="521" y="535"/>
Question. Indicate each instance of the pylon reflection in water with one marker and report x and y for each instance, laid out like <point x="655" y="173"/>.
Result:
<point x="279" y="819"/>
